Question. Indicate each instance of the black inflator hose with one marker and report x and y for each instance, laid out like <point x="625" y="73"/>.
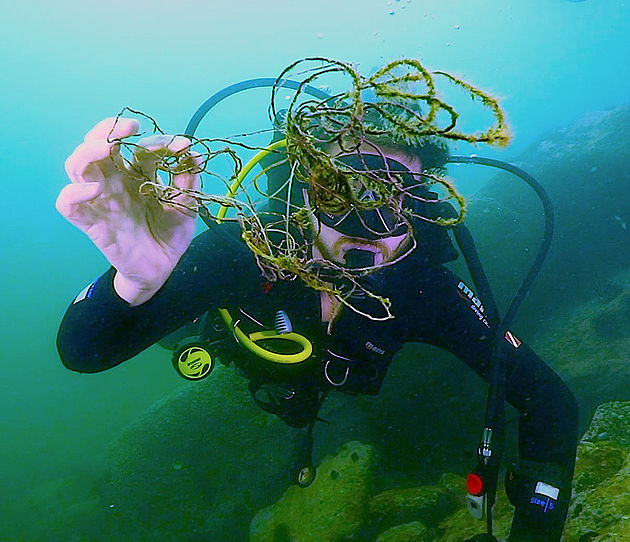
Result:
<point x="495" y="408"/>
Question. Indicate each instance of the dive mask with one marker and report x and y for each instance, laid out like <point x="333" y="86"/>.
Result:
<point x="374" y="223"/>
<point x="363" y="238"/>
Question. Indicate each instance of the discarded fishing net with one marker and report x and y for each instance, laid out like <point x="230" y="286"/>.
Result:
<point x="397" y="107"/>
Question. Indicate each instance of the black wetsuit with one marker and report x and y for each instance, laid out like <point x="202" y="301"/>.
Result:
<point x="430" y="305"/>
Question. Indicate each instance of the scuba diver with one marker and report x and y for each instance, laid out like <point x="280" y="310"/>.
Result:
<point x="163" y="278"/>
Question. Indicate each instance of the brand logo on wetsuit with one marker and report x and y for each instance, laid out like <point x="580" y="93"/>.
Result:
<point x="466" y="293"/>
<point x="374" y="348"/>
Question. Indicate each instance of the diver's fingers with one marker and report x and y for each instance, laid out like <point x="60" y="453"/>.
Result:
<point x="92" y="161"/>
<point x="190" y="178"/>
<point x="173" y="143"/>
<point x="72" y="199"/>
<point x="151" y="151"/>
<point x="113" y="128"/>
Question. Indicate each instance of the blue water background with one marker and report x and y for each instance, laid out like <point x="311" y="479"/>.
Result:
<point x="64" y="65"/>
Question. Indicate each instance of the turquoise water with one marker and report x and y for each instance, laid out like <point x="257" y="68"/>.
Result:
<point x="67" y="64"/>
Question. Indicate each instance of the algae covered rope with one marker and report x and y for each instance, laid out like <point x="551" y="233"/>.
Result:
<point x="397" y="105"/>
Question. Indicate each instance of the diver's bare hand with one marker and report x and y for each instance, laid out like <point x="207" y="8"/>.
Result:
<point x="141" y="238"/>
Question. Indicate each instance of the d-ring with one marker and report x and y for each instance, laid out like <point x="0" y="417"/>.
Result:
<point x="330" y="380"/>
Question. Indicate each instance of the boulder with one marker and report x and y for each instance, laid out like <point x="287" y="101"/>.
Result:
<point x="415" y="531"/>
<point x="590" y="348"/>
<point x="600" y="509"/>
<point x="428" y="504"/>
<point x="333" y="508"/>
<point x="197" y="465"/>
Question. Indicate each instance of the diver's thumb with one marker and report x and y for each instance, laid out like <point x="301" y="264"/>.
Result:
<point x="72" y="200"/>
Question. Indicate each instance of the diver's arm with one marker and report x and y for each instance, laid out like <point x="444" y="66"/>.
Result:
<point x="100" y="329"/>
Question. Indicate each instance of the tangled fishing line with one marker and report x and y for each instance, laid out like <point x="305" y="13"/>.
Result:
<point x="397" y="107"/>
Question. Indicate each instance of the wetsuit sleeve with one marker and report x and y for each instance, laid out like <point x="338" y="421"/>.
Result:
<point x="446" y="312"/>
<point x="100" y="330"/>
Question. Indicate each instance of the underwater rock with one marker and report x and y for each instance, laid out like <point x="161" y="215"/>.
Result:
<point x="428" y="504"/>
<point x="613" y="317"/>
<point x="602" y="513"/>
<point x="596" y="463"/>
<point x="415" y="531"/>
<point x="600" y="508"/>
<point x="197" y="465"/>
<point x="611" y="424"/>
<point x="332" y="508"/>
<point x="590" y="348"/>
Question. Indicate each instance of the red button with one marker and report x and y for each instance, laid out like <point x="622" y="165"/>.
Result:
<point x="474" y="484"/>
